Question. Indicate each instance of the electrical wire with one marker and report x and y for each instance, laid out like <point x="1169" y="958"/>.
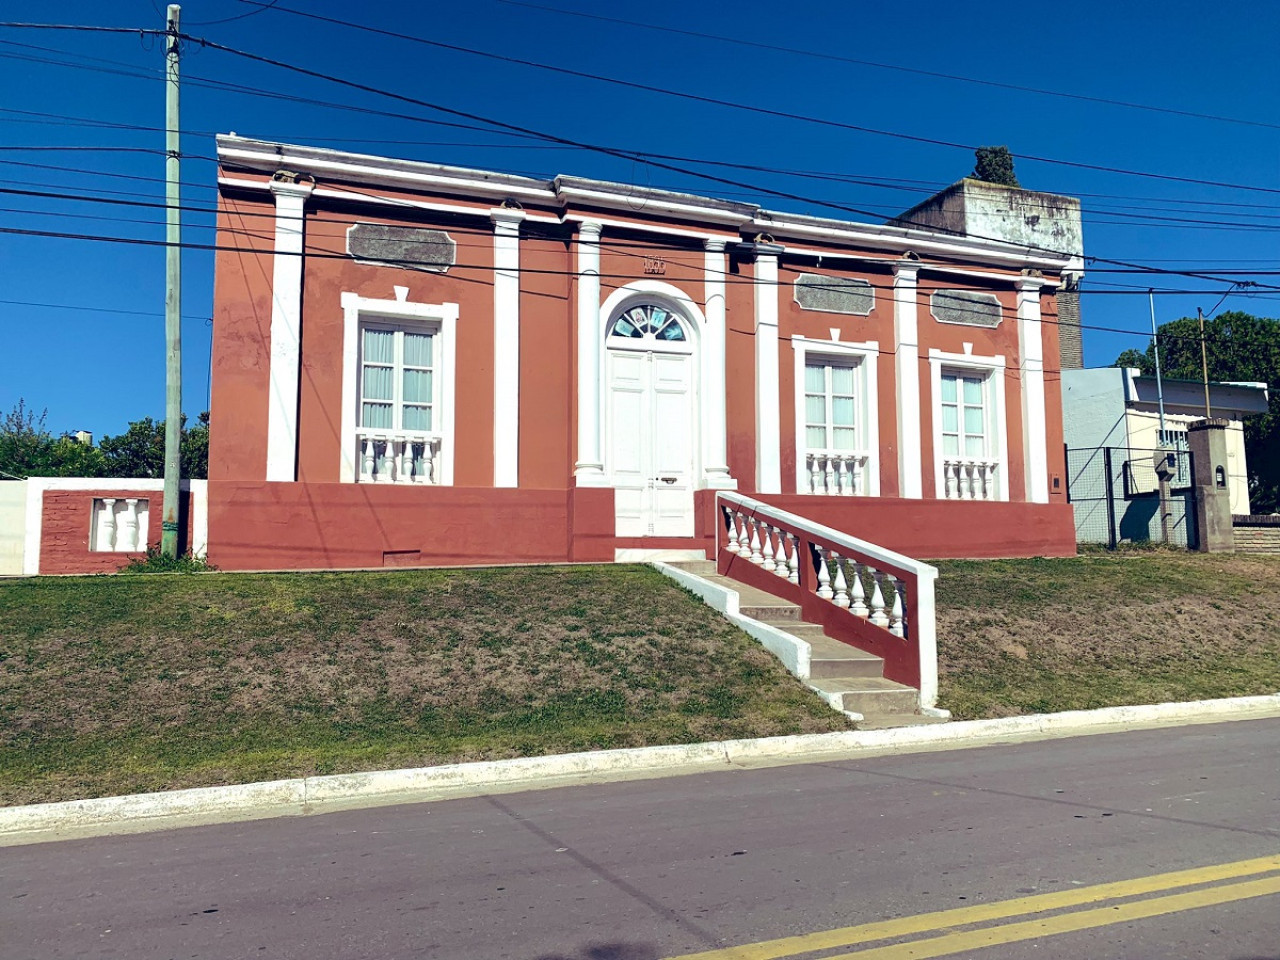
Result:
<point x="881" y="66"/>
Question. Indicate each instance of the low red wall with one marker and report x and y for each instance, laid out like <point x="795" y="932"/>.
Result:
<point x="301" y="526"/>
<point x="65" y="523"/>
<point x="943" y="529"/>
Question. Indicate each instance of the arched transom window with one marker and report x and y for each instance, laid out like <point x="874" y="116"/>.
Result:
<point x="648" y="321"/>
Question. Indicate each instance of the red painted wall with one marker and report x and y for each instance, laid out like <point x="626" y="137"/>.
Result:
<point x="298" y="526"/>
<point x="66" y="522"/>
<point x="938" y="529"/>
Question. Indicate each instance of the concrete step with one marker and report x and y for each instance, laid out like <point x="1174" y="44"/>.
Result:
<point x="869" y="696"/>
<point x="699" y="568"/>
<point x="830" y="659"/>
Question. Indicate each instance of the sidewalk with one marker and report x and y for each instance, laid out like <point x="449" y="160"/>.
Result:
<point x="310" y="795"/>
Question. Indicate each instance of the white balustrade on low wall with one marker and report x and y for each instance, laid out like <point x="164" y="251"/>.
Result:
<point x="969" y="478"/>
<point x="837" y="474"/>
<point x="883" y="589"/>
<point x="385" y="457"/>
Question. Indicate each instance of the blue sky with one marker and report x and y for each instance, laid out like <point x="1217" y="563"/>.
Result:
<point x="82" y="321"/>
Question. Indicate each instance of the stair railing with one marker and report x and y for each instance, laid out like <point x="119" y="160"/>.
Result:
<point x="863" y="594"/>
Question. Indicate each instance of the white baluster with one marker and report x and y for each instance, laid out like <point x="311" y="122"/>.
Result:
<point x="857" y="593"/>
<point x="129" y="525"/>
<point x="989" y="481"/>
<point x="815" y="477"/>
<point x="793" y="560"/>
<point x="949" y="478"/>
<point x="841" y="586"/>
<point x="404" y="467"/>
<point x="838" y="471"/>
<point x="859" y="464"/>
<point x="824" y="575"/>
<point x="897" y="613"/>
<point x="108" y="539"/>
<point x="731" y="530"/>
<point x="744" y="537"/>
<point x="366" y="461"/>
<point x="756" y="558"/>
<point x="830" y="475"/>
<point x="780" y="555"/>
<point x="766" y="548"/>
<point x="878" y="615"/>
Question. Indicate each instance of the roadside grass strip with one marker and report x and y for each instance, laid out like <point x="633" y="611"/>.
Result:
<point x="947" y="932"/>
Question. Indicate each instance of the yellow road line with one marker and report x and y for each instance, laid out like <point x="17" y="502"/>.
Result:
<point x="1001" y="910"/>
<point x="965" y="941"/>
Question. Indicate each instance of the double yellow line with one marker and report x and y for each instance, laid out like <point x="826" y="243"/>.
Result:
<point x="948" y="939"/>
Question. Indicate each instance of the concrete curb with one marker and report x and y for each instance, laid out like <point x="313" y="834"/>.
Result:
<point x="305" y="795"/>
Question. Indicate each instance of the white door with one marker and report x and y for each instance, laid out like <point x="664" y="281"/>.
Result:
<point x="651" y="424"/>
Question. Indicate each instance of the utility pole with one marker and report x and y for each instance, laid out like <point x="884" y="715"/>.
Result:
<point x="1204" y="365"/>
<point x="1155" y="341"/>
<point x="173" y="295"/>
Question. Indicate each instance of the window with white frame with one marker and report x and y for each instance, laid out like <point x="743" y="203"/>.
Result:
<point x="397" y="386"/>
<point x="835" y="421"/>
<point x="969" y="427"/>
<point x="965" y="423"/>
<point x="397" y="391"/>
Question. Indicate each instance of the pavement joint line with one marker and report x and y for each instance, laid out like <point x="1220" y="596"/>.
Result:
<point x="308" y="795"/>
<point x="1215" y="883"/>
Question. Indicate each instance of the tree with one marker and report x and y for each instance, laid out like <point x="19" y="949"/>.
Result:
<point x="28" y="449"/>
<point x="139" y="451"/>
<point x="1240" y="347"/>
<point x="995" y="165"/>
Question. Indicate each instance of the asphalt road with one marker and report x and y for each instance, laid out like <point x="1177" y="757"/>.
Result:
<point x="664" y="868"/>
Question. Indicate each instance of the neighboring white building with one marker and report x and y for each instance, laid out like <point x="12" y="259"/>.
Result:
<point x="1117" y="407"/>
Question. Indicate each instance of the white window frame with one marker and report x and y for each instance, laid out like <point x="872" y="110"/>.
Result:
<point x="992" y="370"/>
<point x="863" y="357"/>
<point x="439" y="318"/>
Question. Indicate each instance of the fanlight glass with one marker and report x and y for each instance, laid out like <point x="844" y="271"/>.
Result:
<point x="648" y="321"/>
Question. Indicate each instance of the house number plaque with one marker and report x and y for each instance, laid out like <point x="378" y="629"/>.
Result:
<point x="655" y="265"/>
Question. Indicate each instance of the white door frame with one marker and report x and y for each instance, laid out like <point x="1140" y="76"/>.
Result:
<point x="693" y="322"/>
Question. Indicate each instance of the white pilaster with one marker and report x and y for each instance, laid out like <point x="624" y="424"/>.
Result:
<point x="506" y="346"/>
<point x="906" y="350"/>
<point x="286" y="330"/>
<point x="715" y="457"/>
<point x="1035" y="444"/>
<point x="588" y="470"/>
<point x="768" y="389"/>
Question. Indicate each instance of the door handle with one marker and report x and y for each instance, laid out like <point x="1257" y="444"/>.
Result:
<point x="668" y="479"/>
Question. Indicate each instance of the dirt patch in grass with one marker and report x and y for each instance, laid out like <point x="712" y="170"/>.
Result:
<point x="1032" y="636"/>
<point x="121" y="684"/>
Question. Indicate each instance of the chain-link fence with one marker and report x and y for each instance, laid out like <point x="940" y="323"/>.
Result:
<point x="1118" y="495"/>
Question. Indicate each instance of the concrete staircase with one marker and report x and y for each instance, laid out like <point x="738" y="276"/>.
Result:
<point x="850" y="679"/>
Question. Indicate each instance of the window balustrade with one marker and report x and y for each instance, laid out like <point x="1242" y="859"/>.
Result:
<point x="410" y="458"/>
<point x="835" y="474"/>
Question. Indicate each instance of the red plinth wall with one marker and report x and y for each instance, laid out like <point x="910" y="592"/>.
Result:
<point x="65" y="525"/>
<point x="943" y="529"/>
<point x="310" y="526"/>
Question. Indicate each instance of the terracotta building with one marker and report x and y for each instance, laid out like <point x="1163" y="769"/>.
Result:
<point x="415" y="364"/>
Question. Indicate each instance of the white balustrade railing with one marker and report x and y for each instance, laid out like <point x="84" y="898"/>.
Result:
<point x="970" y="478"/>
<point x="813" y="563"/>
<point x="384" y="457"/>
<point x="837" y="474"/>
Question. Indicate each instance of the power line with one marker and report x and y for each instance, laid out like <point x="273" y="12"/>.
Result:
<point x="882" y="66"/>
<point x="751" y="108"/>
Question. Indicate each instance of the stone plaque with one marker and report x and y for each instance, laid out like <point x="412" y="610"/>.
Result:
<point x="966" y="306"/>
<point x="412" y="247"/>
<point x="834" y="294"/>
